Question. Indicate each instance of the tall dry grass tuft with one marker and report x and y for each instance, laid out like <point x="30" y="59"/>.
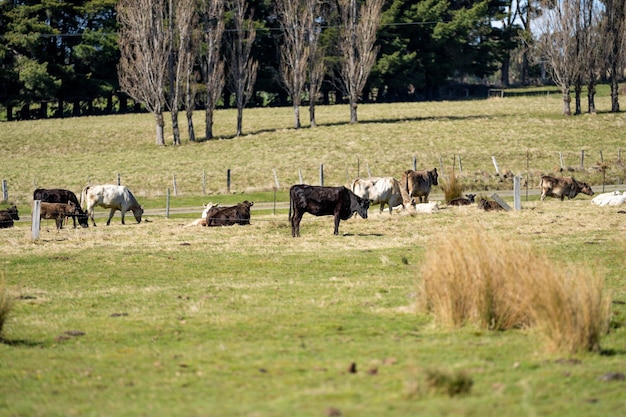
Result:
<point x="452" y="188"/>
<point x="476" y="279"/>
<point x="5" y="305"/>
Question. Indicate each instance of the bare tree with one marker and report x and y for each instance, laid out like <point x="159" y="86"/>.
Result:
<point x="357" y="35"/>
<point x="316" y="65"/>
<point x="243" y="68"/>
<point x="212" y="17"/>
<point x="591" y="55"/>
<point x="144" y="50"/>
<point x="558" y="44"/>
<point x="295" y="17"/>
<point x="614" y="27"/>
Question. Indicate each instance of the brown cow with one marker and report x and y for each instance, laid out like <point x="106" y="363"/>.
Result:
<point x="417" y="184"/>
<point x="57" y="211"/>
<point x="228" y="216"/>
<point x="563" y="187"/>
<point x="58" y="195"/>
<point x="463" y="201"/>
<point x="7" y="216"/>
<point x="489" y="205"/>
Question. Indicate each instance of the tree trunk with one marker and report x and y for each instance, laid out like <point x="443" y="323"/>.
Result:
<point x="109" y="108"/>
<point x="353" y="114"/>
<point x="591" y="97"/>
<point x="175" y="128"/>
<point x="208" y="118"/>
<point x="25" y="112"/>
<point x="578" y="89"/>
<point x="296" y="116"/>
<point x="525" y="65"/>
<point x="9" y="113"/>
<point x="239" y="120"/>
<point x="43" y="110"/>
<point x="504" y="71"/>
<point x="190" y="129"/>
<point x="59" y="112"/>
<point x="566" y="101"/>
<point x="312" y="112"/>
<point x="76" y="108"/>
<point x="160" y="123"/>
<point x="614" y="92"/>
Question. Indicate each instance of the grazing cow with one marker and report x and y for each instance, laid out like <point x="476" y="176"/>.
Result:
<point x="417" y="184"/>
<point x="57" y="195"/>
<point x="324" y="201"/>
<point x="463" y="201"/>
<point x="228" y="216"/>
<point x="202" y="220"/>
<point x="379" y="190"/>
<point x="7" y="216"/>
<point x="114" y="197"/>
<point x="489" y="205"/>
<point x="615" y="198"/>
<point x="563" y="187"/>
<point x="57" y="211"/>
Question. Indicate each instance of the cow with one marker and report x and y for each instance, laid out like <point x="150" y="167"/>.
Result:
<point x="379" y="190"/>
<point x="615" y="198"/>
<point x="563" y="187"/>
<point x="7" y="216"/>
<point x="202" y="220"/>
<point x="463" y="201"/>
<point x="229" y="216"/>
<point x="58" y="195"/>
<point x="417" y="184"/>
<point x="428" y="208"/>
<point x="114" y="197"/>
<point x="323" y="201"/>
<point x="57" y="211"/>
<point x="489" y="205"/>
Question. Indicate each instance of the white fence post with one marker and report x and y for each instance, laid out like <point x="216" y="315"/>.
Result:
<point x="36" y="219"/>
<point x="517" y="193"/>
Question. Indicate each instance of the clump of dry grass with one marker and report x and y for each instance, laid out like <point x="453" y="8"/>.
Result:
<point x="452" y="188"/>
<point x="5" y="306"/>
<point x="471" y="278"/>
<point x="448" y="383"/>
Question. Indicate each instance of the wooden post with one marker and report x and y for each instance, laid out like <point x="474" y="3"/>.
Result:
<point x="174" y="184"/>
<point x="619" y="155"/>
<point x="322" y="175"/>
<point x="228" y="180"/>
<point x="119" y="179"/>
<point x="517" y="193"/>
<point x="601" y="157"/>
<point x="300" y="175"/>
<point x="167" y="204"/>
<point x="414" y="163"/>
<point x="460" y="166"/>
<point x="203" y="182"/>
<point x="582" y="158"/>
<point x="369" y="173"/>
<point x="36" y="219"/>
<point x="5" y="191"/>
<point x="495" y="164"/>
<point x="275" y="181"/>
<point x="561" y="160"/>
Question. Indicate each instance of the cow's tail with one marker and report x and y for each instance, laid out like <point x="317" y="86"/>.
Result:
<point x="83" y="198"/>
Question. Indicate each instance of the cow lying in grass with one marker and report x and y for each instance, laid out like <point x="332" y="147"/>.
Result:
<point x="489" y="205"/>
<point x="609" y="199"/>
<point x="463" y="201"/>
<point x="57" y="211"/>
<point x="202" y="220"/>
<point x="228" y="216"/>
<point x="7" y="216"/>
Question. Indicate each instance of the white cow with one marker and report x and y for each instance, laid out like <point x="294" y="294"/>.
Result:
<point x="114" y="197"/>
<point x="202" y="220"/>
<point x="428" y="208"/>
<point x="379" y="190"/>
<point x="614" y="198"/>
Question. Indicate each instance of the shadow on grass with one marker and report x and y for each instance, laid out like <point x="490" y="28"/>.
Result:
<point x="20" y="343"/>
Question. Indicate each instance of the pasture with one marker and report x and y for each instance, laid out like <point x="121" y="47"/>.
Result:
<point x="156" y="319"/>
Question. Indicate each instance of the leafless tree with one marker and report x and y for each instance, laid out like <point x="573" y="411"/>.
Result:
<point x="558" y="44"/>
<point x="590" y="39"/>
<point x="144" y="50"/>
<point x="243" y="68"/>
<point x="357" y="35"/>
<point x="212" y="17"/>
<point x="614" y="28"/>
<point x="316" y="64"/>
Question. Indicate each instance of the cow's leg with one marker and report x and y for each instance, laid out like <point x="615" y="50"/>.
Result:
<point x="90" y="214"/>
<point x="123" y="214"/>
<point x="295" y="223"/>
<point x="59" y="221"/>
<point x="337" y="220"/>
<point x="382" y="207"/>
<point x="111" y="216"/>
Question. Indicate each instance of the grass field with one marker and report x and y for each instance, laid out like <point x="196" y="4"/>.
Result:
<point x="155" y="319"/>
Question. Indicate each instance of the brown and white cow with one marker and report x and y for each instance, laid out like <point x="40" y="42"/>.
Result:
<point x="562" y="187"/>
<point x="379" y="190"/>
<point x="463" y="201"/>
<point x="57" y="212"/>
<point x="417" y="184"/>
<point x="229" y="216"/>
<point x="114" y="197"/>
<point x="323" y="201"/>
<point x="489" y="205"/>
<point x="7" y="216"/>
<point x="202" y="220"/>
<point x="58" y="195"/>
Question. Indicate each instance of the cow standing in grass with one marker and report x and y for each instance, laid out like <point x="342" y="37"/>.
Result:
<point x="379" y="190"/>
<point x="417" y="184"/>
<point x="58" y="195"/>
<point x="563" y="187"/>
<point x="114" y="197"/>
<point x="57" y="212"/>
<point x="323" y="201"/>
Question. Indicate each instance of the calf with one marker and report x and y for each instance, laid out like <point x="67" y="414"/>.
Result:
<point x="489" y="205"/>
<point x="57" y="211"/>
<point x="58" y="195"/>
<point x="463" y="201"/>
<point x="323" y="201"/>
<point x="7" y="216"/>
<point x="228" y="216"/>
<point x="563" y="187"/>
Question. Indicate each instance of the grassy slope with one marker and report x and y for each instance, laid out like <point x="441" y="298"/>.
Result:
<point x="248" y="321"/>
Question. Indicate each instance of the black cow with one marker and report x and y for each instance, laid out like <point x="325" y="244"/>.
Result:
<point x="7" y="216"/>
<point x="323" y="201"/>
<point x="228" y="216"/>
<point x="57" y="195"/>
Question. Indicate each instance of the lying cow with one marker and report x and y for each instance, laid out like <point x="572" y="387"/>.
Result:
<point x="463" y="201"/>
<point x="7" y="216"/>
<point x="417" y="184"/>
<point x="57" y="212"/>
<point x="428" y="208"/>
<point x="202" y="220"/>
<point x="379" y="190"/>
<point x="324" y="201"/>
<point x="563" y="187"/>
<point x="489" y="205"/>
<point x="228" y="216"/>
<point x="114" y="197"/>
<point x="57" y="195"/>
<point x="615" y="198"/>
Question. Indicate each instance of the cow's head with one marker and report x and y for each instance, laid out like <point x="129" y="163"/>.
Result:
<point x="362" y="206"/>
<point x="13" y="212"/>
<point x="433" y="176"/>
<point x="470" y="197"/>
<point x="137" y="212"/>
<point x="585" y="188"/>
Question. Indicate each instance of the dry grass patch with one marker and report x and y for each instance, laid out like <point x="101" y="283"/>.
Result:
<point x="492" y="283"/>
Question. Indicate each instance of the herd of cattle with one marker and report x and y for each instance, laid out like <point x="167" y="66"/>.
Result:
<point x="410" y="192"/>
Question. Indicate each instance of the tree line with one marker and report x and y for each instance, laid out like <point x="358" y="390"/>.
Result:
<point x="90" y="56"/>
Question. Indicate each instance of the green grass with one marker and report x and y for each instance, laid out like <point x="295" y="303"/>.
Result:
<point x="247" y="321"/>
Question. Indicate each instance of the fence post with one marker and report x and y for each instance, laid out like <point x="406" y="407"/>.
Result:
<point x="36" y="219"/>
<point x="358" y="167"/>
<point x="460" y="166"/>
<point x="203" y="182"/>
<point x="5" y="191"/>
<point x="119" y="179"/>
<point x="322" y="175"/>
<point x="414" y="163"/>
<point x="561" y="160"/>
<point x="582" y="158"/>
<point x="228" y="181"/>
<point x="517" y="192"/>
<point x="601" y="157"/>
<point x="369" y="173"/>
<point x="495" y="164"/>
<point x="167" y="204"/>
<point x="300" y="175"/>
<point x="275" y="181"/>
<point x="174" y="184"/>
